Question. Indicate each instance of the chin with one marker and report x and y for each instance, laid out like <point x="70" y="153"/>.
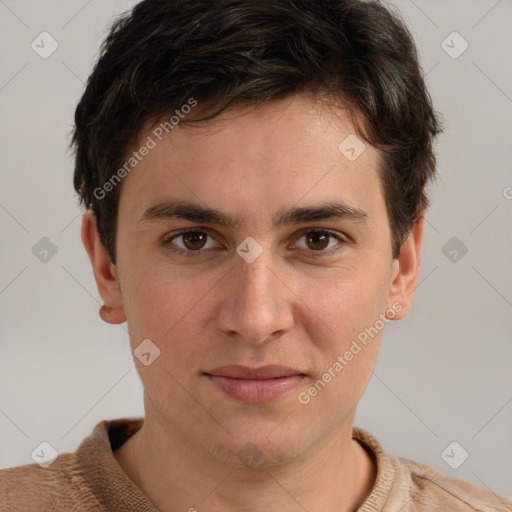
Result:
<point x="254" y="447"/>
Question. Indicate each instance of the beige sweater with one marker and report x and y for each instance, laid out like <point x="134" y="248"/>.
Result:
<point x="90" y="479"/>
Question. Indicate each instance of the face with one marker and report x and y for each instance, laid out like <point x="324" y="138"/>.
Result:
<point x="302" y="278"/>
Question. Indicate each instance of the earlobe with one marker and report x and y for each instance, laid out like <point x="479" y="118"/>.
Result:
<point x="105" y="273"/>
<point x="405" y="272"/>
<point x="111" y="315"/>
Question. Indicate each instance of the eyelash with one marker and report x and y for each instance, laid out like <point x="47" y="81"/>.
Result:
<point x="166" y="242"/>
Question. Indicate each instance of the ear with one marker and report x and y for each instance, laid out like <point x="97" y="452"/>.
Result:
<point x="105" y="271"/>
<point x="405" y="272"/>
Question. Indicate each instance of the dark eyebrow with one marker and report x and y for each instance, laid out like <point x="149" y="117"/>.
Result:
<point x="296" y="215"/>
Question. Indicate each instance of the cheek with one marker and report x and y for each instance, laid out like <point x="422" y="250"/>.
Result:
<point x="344" y="302"/>
<point x="346" y="327"/>
<point x="166" y="307"/>
<point x="146" y="298"/>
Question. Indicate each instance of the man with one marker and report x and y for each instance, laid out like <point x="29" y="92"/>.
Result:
<point x="254" y="175"/>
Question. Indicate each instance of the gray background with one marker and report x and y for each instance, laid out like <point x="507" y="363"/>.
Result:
<point x="443" y="373"/>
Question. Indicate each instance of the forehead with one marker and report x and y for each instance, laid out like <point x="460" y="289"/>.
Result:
<point x="256" y="160"/>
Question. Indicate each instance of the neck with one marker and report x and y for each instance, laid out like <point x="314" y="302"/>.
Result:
<point x="336" y="475"/>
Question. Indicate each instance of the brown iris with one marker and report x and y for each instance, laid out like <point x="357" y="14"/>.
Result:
<point x="319" y="241"/>
<point x="194" y="240"/>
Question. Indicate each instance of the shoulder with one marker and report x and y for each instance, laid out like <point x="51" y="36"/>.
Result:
<point x="34" y="488"/>
<point x="85" y="480"/>
<point x="409" y="486"/>
<point x="434" y="490"/>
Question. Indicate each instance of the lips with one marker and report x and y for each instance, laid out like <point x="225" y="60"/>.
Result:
<point x="243" y="372"/>
<point x="255" y="385"/>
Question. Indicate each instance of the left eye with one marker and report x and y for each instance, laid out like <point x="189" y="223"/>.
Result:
<point x="318" y="240"/>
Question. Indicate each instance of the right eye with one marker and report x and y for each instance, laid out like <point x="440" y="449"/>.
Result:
<point x="192" y="241"/>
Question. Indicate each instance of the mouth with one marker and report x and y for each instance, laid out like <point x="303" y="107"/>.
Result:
<point x="255" y="385"/>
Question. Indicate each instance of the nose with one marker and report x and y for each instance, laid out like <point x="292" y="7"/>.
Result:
<point x="257" y="304"/>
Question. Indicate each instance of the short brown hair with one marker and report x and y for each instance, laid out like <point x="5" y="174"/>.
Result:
<point x="236" y="52"/>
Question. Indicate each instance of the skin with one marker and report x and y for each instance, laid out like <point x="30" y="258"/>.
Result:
<point x="286" y="307"/>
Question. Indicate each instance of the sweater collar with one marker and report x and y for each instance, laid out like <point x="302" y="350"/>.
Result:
<point x="100" y="468"/>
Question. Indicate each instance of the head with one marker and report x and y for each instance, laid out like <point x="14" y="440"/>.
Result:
<point x="293" y="140"/>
